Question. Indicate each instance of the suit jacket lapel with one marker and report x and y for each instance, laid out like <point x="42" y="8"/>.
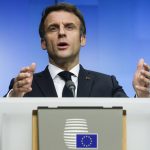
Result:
<point x="85" y="81"/>
<point x="46" y="84"/>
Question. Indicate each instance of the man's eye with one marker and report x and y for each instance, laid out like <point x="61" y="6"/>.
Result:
<point x="69" y="27"/>
<point x="53" y="29"/>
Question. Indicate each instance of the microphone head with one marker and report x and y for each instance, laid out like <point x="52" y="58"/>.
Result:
<point x="71" y="86"/>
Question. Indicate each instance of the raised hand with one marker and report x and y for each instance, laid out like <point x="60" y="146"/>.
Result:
<point x="23" y="82"/>
<point x="141" y="80"/>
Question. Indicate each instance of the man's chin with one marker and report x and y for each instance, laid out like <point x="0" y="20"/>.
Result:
<point x="64" y="55"/>
<point x="64" y="58"/>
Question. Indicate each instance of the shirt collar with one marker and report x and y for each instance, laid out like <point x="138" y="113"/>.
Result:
<point x="54" y="70"/>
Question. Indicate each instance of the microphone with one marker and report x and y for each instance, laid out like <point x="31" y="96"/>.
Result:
<point x="70" y="85"/>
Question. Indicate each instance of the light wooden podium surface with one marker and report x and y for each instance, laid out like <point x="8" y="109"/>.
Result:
<point x="16" y="119"/>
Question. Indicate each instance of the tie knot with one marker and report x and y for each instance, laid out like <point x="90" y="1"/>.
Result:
<point x="65" y="75"/>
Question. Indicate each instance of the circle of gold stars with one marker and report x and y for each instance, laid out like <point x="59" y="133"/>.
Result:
<point x="86" y="138"/>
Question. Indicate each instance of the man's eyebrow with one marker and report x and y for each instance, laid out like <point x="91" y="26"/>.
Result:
<point x="69" y="23"/>
<point x="57" y="25"/>
<point x="53" y="24"/>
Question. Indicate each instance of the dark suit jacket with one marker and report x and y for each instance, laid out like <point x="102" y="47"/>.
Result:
<point x="90" y="84"/>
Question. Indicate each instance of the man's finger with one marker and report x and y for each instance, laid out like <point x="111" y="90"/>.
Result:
<point x="143" y="89"/>
<point x="21" y="76"/>
<point x="25" y="82"/>
<point x="146" y="82"/>
<point x="25" y="69"/>
<point x="146" y="67"/>
<point x="30" y="68"/>
<point x="146" y="74"/>
<point x="140" y="64"/>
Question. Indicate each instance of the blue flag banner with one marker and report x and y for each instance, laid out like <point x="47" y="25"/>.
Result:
<point x="86" y="141"/>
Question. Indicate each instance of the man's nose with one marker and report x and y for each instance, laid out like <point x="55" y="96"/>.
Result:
<point x="62" y="31"/>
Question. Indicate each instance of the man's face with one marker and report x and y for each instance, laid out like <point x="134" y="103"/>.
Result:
<point x="62" y="37"/>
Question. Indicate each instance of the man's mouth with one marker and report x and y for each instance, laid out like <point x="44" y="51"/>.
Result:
<point x="62" y="45"/>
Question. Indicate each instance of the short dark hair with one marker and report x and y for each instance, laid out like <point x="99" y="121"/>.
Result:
<point x="64" y="7"/>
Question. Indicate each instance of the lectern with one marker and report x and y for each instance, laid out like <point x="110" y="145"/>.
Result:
<point x="79" y="127"/>
<point x="16" y="119"/>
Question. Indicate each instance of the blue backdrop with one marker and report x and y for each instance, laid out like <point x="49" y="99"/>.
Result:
<point x="118" y="35"/>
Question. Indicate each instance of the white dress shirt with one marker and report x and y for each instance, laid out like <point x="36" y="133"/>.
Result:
<point x="59" y="83"/>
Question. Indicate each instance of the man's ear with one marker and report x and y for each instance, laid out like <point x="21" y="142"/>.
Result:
<point x="83" y="40"/>
<point x="43" y="44"/>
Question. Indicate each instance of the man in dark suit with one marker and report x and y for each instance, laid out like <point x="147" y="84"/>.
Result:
<point x="62" y="31"/>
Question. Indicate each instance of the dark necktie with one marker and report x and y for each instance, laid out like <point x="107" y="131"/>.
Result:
<point x="66" y="76"/>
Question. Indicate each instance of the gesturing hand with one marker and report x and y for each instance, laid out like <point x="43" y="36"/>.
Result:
<point x="141" y="80"/>
<point x="23" y="82"/>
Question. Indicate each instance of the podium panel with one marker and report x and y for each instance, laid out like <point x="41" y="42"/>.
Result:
<point x="16" y="119"/>
<point x="80" y="128"/>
